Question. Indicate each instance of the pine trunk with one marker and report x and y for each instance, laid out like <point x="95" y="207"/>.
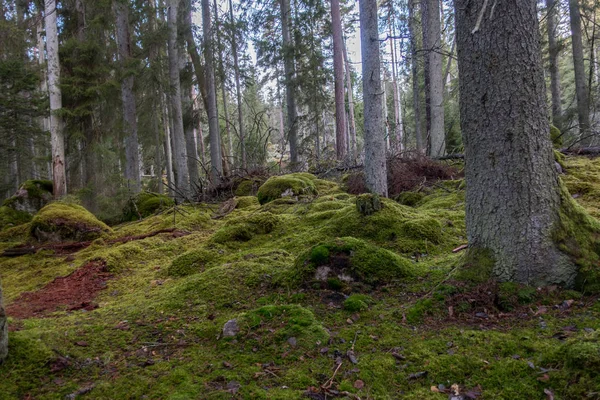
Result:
<point x="288" y="65"/>
<point x="238" y="90"/>
<point x="57" y="139"/>
<point x="216" y="161"/>
<point x="436" y="84"/>
<point x="132" y="162"/>
<point x="375" y="163"/>
<point x="351" y="120"/>
<point x="179" y="147"/>
<point x="551" y="6"/>
<point x="415" y="76"/>
<point x="338" y="73"/>
<point x="513" y="196"/>
<point x="583" y="109"/>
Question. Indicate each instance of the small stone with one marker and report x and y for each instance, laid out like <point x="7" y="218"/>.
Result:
<point x="324" y="350"/>
<point x="233" y="387"/>
<point x="292" y="341"/>
<point x="358" y="384"/>
<point x="231" y="328"/>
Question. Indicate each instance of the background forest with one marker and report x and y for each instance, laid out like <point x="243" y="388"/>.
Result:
<point x="185" y="97"/>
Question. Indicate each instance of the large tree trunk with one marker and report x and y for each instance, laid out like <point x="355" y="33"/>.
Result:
<point x="551" y="6"/>
<point x="338" y="73"/>
<point x="238" y="89"/>
<point x="415" y="76"/>
<point x="132" y="162"/>
<point x="375" y="163"/>
<point x="513" y="195"/>
<point x="57" y="138"/>
<point x="288" y="65"/>
<point x="187" y="101"/>
<point x="179" y="148"/>
<point x="583" y="109"/>
<point x="351" y="120"/>
<point x="436" y="84"/>
<point x="216" y="161"/>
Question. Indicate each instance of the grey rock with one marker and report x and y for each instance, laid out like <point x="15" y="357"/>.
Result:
<point x="231" y="328"/>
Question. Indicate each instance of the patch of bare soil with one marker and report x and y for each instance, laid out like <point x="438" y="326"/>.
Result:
<point x="72" y="292"/>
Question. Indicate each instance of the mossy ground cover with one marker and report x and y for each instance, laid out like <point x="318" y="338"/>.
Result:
<point x="157" y="331"/>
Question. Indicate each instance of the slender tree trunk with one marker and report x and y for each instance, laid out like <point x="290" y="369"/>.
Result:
<point x="179" y="145"/>
<point x="351" y="120"/>
<point x="436" y="84"/>
<point x="238" y="89"/>
<point x="132" y="164"/>
<point x="375" y="163"/>
<point x="583" y="106"/>
<point x="513" y="197"/>
<point x="213" y="113"/>
<point x="56" y="125"/>
<point x="551" y="6"/>
<point x="415" y="76"/>
<point x="426" y="67"/>
<point x="156" y="98"/>
<point x="338" y="73"/>
<point x="396" y="93"/>
<point x="167" y="144"/>
<point x="288" y="63"/>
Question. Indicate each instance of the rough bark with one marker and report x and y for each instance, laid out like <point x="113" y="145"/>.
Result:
<point x="551" y="6"/>
<point x="132" y="162"/>
<point x="57" y="139"/>
<point x="513" y="196"/>
<point x="238" y="89"/>
<point x="436" y="83"/>
<point x="375" y="163"/>
<point x="351" y="120"/>
<point x="179" y="148"/>
<point x="3" y="330"/>
<point x="415" y="76"/>
<point x="396" y="93"/>
<point x="187" y="100"/>
<point x="216" y="162"/>
<point x="338" y="73"/>
<point x="289" y="70"/>
<point x="424" y="49"/>
<point x="583" y="109"/>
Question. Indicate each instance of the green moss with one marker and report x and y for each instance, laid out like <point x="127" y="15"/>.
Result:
<point x="367" y="204"/>
<point x="422" y="229"/>
<point x="38" y="187"/>
<point x="10" y="217"/>
<point x="357" y="302"/>
<point x="146" y="204"/>
<point x="477" y="266"/>
<point x="419" y="310"/>
<point x="582" y="355"/>
<point x="244" y="228"/>
<point x="246" y="202"/>
<point x="354" y="257"/>
<point x="190" y="262"/>
<point x="511" y="294"/>
<point x="410" y="199"/>
<point x="247" y="187"/>
<point x="32" y="196"/>
<point x="292" y="185"/>
<point x="556" y="136"/>
<point x="59" y="221"/>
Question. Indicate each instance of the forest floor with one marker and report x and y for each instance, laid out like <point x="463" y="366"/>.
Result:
<point x="133" y="315"/>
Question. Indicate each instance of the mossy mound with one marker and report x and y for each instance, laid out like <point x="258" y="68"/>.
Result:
<point x="244" y="228"/>
<point x="351" y="260"/>
<point x="583" y="355"/>
<point x="190" y="262"/>
<point x="292" y="185"/>
<point x="556" y="136"/>
<point x="58" y="222"/>
<point x="146" y="204"/>
<point x="9" y="217"/>
<point x="410" y="199"/>
<point x="357" y="302"/>
<point x="248" y="187"/>
<point x="274" y="325"/>
<point x="246" y="202"/>
<point x="31" y="197"/>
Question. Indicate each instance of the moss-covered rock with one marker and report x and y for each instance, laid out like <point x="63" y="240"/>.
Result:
<point x="410" y="199"/>
<point x="10" y="217"/>
<point x="556" y="136"/>
<point x="367" y="204"/>
<point x="32" y="195"/>
<point x="292" y="185"/>
<point x="246" y="202"/>
<point x="248" y="187"/>
<point x="145" y="204"/>
<point x="59" y="222"/>
<point x="425" y="228"/>
<point x="349" y="259"/>
<point x="280" y="324"/>
<point x="244" y="228"/>
<point x="190" y="262"/>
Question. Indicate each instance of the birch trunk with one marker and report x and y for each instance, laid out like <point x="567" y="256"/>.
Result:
<point x="57" y="139"/>
<point x="513" y="196"/>
<point x="375" y="163"/>
<point x="132" y="162"/>
<point x="216" y="161"/>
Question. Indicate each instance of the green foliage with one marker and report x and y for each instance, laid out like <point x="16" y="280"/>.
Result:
<point x="319" y="255"/>
<point x="292" y="185"/>
<point x="357" y="302"/>
<point x="556" y="136"/>
<point x="60" y="221"/>
<point x="10" y="217"/>
<point x="190" y="262"/>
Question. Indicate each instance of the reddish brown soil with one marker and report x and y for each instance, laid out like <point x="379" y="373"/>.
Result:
<point x="72" y="292"/>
